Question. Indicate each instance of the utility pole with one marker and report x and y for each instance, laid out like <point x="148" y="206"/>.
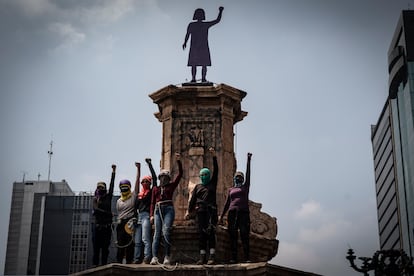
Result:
<point x="50" y="152"/>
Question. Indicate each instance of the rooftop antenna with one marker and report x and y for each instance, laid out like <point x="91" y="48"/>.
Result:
<point x="50" y="152"/>
<point x="24" y="176"/>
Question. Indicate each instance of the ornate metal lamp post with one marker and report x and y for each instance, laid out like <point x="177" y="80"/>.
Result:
<point x="384" y="263"/>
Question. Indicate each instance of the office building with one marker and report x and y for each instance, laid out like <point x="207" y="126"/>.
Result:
<point x="66" y="232"/>
<point x="393" y="144"/>
<point x="50" y="230"/>
<point x="27" y="222"/>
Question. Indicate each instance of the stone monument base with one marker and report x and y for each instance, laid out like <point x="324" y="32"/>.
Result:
<point x="185" y="246"/>
<point x="194" y="270"/>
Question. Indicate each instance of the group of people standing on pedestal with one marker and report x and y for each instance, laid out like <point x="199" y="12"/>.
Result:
<point x="152" y="204"/>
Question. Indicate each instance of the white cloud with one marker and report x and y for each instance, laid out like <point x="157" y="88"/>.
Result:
<point x="319" y="225"/>
<point x="328" y="231"/>
<point x="106" y="12"/>
<point x="34" y="8"/>
<point x="302" y="257"/>
<point x="308" y="209"/>
<point x="320" y="236"/>
<point x="70" y="37"/>
<point x="67" y="31"/>
<point x="103" y="49"/>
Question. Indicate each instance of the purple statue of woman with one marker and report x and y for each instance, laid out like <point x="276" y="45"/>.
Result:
<point x="199" y="54"/>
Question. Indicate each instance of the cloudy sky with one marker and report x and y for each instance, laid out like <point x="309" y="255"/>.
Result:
<point x="79" y="73"/>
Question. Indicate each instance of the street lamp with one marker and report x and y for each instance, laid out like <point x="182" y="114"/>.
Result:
<point x="384" y="263"/>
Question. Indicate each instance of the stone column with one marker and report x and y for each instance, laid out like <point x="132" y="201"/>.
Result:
<point x="193" y="119"/>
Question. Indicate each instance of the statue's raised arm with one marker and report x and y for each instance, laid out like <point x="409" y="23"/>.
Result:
<point x="218" y="16"/>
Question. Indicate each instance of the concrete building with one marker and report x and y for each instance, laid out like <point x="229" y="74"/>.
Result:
<point x="27" y="223"/>
<point x="50" y="230"/>
<point x="393" y="144"/>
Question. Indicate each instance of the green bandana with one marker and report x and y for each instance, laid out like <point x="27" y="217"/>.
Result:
<point x="205" y="176"/>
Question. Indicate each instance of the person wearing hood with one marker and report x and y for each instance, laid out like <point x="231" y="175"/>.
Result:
<point x="162" y="212"/>
<point x="142" y="207"/>
<point x="126" y="216"/>
<point x="103" y="220"/>
<point x="203" y="202"/>
<point x="238" y="218"/>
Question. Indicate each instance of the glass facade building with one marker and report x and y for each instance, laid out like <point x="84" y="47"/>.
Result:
<point x="393" y="144"/>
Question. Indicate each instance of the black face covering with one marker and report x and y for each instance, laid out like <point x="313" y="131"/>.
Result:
<point x="164" y="180"/>
<point x="238" y="182"/>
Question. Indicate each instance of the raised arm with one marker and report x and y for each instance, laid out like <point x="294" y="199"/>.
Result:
<point x="111" y="184"/>
<point x="153" y="174"/>
<point x="214" y="177"/>
<point x="180" y="170"/>
<point x="214" y="22"/>
<point x="247" y="181"/>
<point x="136" y="188"/>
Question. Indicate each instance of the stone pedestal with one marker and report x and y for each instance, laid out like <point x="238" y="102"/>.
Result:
<point x="251" y="269"/>
<point x="195" y="118"/>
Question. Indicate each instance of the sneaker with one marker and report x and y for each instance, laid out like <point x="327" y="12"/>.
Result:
<point x="154" y="261"/>
<point x="166" y="260"/>
<point x="147" y="260"/>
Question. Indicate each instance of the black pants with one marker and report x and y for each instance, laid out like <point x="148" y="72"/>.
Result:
<point x="126" y="244"/>
<point x="207" y="222"/>
<point x="239" y="220"/>
<point x="101" y="240"/>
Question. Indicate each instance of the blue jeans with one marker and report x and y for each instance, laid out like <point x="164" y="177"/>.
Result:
<point x="143" y="235"/>
<point x="163" y="220"/>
